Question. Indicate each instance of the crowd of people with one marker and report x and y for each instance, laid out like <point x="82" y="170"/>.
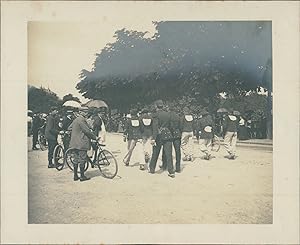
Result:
<point x="76" y="126"/>
<point x="146" y="132"/>
<point x="152" y="131"/>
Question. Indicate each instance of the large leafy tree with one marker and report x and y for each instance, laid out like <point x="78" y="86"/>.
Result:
<point x="42" y="99"/>
<point x="197" y="60"/>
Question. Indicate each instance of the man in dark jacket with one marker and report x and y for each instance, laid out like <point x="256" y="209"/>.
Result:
<point x="81" y="136"/>
<point x="51" y="132"/>
<point x="133" y="133"/>
<point x="205" y="127"/>
<point x="231" y="124"/>
<point x="36" y="124"/>
<point x="176" y="130"/>
<point x="162" y="137"/>
<point x="64" y="122"/>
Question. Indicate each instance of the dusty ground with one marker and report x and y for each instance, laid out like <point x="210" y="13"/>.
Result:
<point x="220" y="191"/>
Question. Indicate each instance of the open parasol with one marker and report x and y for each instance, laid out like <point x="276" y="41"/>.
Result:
<point x="96" y="104"/>
<point x="72" y="103"/>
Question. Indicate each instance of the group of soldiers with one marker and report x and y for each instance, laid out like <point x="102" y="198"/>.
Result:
<point x="164" y="129"/>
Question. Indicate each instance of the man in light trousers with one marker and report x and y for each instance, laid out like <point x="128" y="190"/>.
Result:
<point x="147" y="136"/>
<point x="187" y="123"/>
<point x="230" y="128"/>
<point x="134" y="136"/>
<point x="206" y="128"/>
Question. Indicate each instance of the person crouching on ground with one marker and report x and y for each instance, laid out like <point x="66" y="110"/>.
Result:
<point x="132" y="133"/>
<point x="231" y="124"/>
<point x="206" y="135"/>
<point x="147" y="136"/>
<point x="81" y="136"/>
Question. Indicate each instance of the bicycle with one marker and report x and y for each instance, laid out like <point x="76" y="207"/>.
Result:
<point x="104" y="160"/>
<point x="59" y="150"/>
<point x="42" y="138"/>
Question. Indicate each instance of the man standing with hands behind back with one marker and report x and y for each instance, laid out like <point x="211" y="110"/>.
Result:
<point x="162" y="138"/>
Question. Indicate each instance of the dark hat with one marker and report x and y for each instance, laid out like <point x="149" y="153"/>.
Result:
<point x="236" y="113"/>
<point x="159" y="103"/>
<point x="145" y="110"/>
<point x="186" y="110"/>
<point x="83" y="108"/>
<point x="230" y="110"/>
<point x="133" y="111"/>
<point x="53" y="108"/>
<point x="204" y="112"/>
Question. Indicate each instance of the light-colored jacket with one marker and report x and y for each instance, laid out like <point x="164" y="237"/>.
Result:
<point x="81" y="134"/>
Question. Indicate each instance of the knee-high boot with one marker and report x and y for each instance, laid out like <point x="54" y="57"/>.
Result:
<point x="82" y="176"/>
<point x="75" y="172"/>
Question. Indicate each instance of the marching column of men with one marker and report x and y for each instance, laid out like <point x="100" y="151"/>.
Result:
<point x="165" y="129"/>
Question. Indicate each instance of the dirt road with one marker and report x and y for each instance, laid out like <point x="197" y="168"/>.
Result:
<point x="219" y="191"/>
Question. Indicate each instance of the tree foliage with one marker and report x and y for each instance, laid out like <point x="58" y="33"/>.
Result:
<point x="42" y="99"/>
<point x="70" y="97"/>
<point x="196" y="60"/>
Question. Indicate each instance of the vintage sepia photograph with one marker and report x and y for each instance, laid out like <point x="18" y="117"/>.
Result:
<point x="150" y="122"/>
<point x="168" y="122"/>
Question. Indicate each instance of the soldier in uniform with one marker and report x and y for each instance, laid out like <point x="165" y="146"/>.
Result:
<point x="147" y="135"/>
<point x="162" y="138"/>
<point x="188" y="125"/>
<point x="132" y="132"/>
<point x="231" y="124"/>
<point x="205" y="127"/>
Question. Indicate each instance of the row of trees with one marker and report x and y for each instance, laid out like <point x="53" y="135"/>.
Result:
<point x="186" y="64"/>
<point x="42" y="99"/>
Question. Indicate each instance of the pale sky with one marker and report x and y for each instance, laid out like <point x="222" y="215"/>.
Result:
<point x="58" y="51"/>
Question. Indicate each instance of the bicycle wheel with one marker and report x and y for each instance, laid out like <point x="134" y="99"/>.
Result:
<point x="70" y="157"/>
<point x="107" y="164"/>
<point x="42" y="141"/>
<point x="58" y="157"/>
<point x="215" y="145"/>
